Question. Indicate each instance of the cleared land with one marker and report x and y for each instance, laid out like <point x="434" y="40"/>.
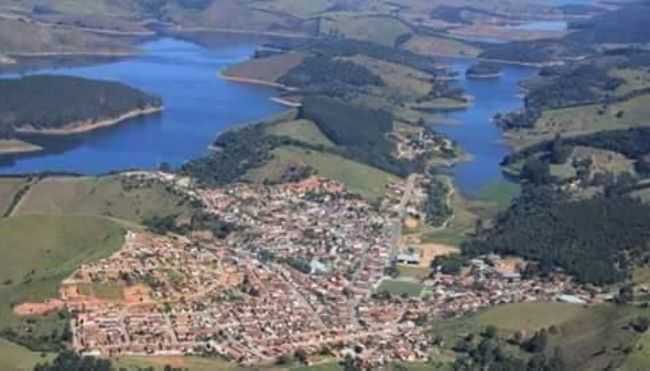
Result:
<point x="367" y="181"/>
<point x="634" y="112"/>
<point x="400" y="79"/>
<point x="530" y="317"/>
<point x="302" y="130"/>
<point x="635" y="79"/>
<point x="38" y="253"/>
<point x="298" y="8"/>
<point x="268" y="69"/>
<point x="376" y="28"/>
<point x="428" y="45"/>
<point x="500" y="193"/>
<point x="105" y="196"/>
<point x="400" y="287"/>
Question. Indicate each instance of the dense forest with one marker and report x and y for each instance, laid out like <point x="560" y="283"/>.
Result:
<point x="322" y="71"/>
<point x="596" y="240"/>
<point x="360" y="133"/>
<point x="46" y="101"/>
<point x="437" y="207"/>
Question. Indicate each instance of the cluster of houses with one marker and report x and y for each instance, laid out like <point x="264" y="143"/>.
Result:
<point x="298" y="275"/>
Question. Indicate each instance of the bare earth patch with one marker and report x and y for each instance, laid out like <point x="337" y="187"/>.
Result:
<point x="39" y="309"/>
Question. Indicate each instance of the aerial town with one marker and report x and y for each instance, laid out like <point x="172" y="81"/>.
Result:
<point x="300" y="273"/>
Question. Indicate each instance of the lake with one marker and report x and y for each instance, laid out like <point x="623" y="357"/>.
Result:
<point x="473" y="128"/>
<point x="198" y="105"/>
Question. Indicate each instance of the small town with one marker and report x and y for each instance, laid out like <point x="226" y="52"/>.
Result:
<point x="301" y="273"/>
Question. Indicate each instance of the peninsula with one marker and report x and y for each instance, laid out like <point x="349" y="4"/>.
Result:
<point x="31" y="107"/>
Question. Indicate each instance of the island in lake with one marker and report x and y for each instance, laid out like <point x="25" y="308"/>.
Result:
<point x="484" y="70"/>
<point x="63" y="105"/>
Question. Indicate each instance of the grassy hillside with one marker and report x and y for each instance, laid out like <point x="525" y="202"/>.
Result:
<point x="530" y="317"/>
<point x="379" y="29"/>
<point x="105" y="196"/>
<point x="304" y="131"/>
<point x="359" y="178"/>
<point x="17" y="358"/>
<point x="18" y="37"/>
<point x="268" y="69"/>
<point x="8" y="189"/>
<point x="586" y="119"/>
<point x="38" y="253"/>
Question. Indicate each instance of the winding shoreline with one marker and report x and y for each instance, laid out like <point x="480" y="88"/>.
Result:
<point x="88" y="125"/>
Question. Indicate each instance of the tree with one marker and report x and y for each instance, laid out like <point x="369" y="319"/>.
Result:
<point x="490" y="332"/>
<point x="536" y="171"/>
<point x="537" y="343"/>
<point x="559" y="151"/>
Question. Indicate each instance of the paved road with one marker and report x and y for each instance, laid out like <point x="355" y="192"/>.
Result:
<point x="396" y="228"/>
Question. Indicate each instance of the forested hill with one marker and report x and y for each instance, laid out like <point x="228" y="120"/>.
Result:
<point x="53" y="102"/>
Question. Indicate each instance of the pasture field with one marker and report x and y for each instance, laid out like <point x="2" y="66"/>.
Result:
<point x="369" y="27"/>
<point x="268" y="69"/>
<point x="39" y="252"/>
<point x="635" y="79"/>
<point x="13" y="357"/>
<point x="400" y="287"/>
<point x="103" y="196"/>
<point x="301" y="130"/>
<point x="500" y="193"/>
<point x="585" y="120"/>
<point x="588" y="337"/>
<point x="402" y="80"/>
<point x="299" y="8"/>
<point x="364" y="180"/>
<point x="440" y="46"/>
<point x="530" y="317"/>
<point x="9" y="187"/>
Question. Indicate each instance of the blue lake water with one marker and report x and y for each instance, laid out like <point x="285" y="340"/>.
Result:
<point x="473" y="128"/>
<point x="198" y="105"/>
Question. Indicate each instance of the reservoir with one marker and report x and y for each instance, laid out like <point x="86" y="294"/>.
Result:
<point x="198" y="105"/>
<point x="473" y="128"/>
